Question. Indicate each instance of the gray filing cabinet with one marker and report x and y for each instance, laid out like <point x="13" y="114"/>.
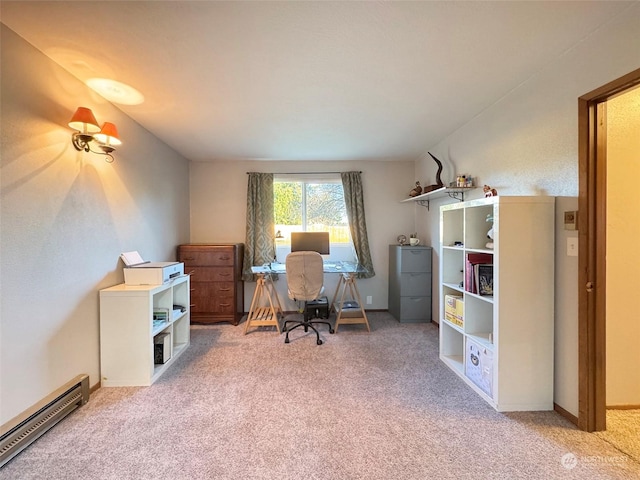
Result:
<point x="410" y="283"/>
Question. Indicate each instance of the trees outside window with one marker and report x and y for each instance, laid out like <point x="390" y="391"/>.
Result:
<point x="312" y="206"/>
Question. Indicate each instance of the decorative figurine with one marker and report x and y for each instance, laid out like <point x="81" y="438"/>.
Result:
<point x="417" y="190"/>
<point x="489" y="192"/>
<point x="490" y="232"/>
<point x="438" y="184"/>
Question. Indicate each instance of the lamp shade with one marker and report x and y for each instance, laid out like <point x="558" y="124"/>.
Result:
<point x="84" y="121"/>
<point x="108" y="135"/>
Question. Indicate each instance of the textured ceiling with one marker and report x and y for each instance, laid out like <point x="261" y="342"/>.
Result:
<point x="313" y="80"/>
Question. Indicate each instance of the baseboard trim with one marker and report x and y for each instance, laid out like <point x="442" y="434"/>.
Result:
<point x="564" y="413"/>
<point x="623" y="407"/>
<point x="95" y="388"/>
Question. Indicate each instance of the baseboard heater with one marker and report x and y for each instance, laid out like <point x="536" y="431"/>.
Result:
<point x="20" y="432"/>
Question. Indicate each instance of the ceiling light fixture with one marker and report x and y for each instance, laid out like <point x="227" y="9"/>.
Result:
<point x="87" y="130"/>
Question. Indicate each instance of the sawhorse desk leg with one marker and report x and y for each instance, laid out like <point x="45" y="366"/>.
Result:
<point x="264" y="315"/>
<point x="355" y="315"/>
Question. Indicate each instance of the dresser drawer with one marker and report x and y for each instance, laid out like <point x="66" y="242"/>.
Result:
<point x="211" y="274"/>
<point x="193" y="256"/>
<point x="212" y="304"/>
<point x="223" y="289"/>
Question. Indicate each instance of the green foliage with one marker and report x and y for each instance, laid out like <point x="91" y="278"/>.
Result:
<point x="287" y="204"/>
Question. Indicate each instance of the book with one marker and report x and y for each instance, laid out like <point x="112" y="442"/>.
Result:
<point x="470" y="284"/>
<point x="485" y="279"/>
<point x="350" y="304"/>
<point x="161" y="314"/>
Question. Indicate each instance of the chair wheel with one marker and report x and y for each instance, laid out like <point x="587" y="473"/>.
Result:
<point x="331" y="330"/>
<point x="319" y="342"/>
<point x="286" y="340"/>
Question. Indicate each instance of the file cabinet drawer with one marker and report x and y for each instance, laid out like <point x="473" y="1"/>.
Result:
<point x="415" y="309"/>
<point x="416" y="284"/>
<point x="415" y="259"/>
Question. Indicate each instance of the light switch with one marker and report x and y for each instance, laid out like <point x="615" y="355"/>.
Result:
<point x="572" y="246"/>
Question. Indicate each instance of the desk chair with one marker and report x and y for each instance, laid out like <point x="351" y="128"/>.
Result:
<point x="305" y="278"/>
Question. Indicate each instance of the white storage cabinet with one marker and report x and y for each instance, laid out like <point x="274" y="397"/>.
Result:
<point x="508" y="335"/>
<point x="127" y="330"/>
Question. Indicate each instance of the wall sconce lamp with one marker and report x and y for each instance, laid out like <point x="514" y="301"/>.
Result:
<point x="87" y="130"/>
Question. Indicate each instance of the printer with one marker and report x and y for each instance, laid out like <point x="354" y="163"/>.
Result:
<point x="139" y="272"/>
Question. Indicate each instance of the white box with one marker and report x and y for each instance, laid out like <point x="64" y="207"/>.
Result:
<point x="478" y="366"/>
<point x="454" y="309"/>
<point x="152" y="273"/>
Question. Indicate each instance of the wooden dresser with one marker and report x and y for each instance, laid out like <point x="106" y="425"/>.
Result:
<point x="217" y="289"/>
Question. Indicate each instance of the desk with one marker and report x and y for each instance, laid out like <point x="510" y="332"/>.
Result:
<point x="264" y="315"/>
<point x="346" y="302"/>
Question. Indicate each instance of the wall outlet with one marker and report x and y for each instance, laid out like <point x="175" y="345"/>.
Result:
<point x="369" y="299"/>
<point x="572" y="246"/>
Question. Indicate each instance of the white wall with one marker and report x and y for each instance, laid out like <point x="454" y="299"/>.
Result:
<point x="623" y="231"/>
<point x="218" y="207"/>
<point x="65" y="218"/>
<point x="527" y="144"/>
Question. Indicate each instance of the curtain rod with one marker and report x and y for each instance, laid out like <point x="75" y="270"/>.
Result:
<point x="301" y="173"/>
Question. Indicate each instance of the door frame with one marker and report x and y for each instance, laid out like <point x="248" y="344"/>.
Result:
<point x="592" y="203"/>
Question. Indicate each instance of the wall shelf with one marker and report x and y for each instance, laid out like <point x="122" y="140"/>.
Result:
<point x="453" y="192"/>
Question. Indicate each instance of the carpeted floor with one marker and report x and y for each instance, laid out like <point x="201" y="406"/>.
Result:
<point x="623" y="431"/>
<point x="361" y="406"/>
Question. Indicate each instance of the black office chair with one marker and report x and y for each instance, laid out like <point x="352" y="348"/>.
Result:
<point x="305" y="278"/>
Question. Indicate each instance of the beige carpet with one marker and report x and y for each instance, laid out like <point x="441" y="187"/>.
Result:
<point x="378" y="406"/>
<point x="623" y="431"/>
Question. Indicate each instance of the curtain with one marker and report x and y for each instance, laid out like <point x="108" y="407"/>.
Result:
<point x="354" y="200"/>
<point x="259" y="245"/>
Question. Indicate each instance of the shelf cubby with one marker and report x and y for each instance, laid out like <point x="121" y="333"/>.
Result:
<point x="453" y="273"/>
<point x="477" y="227"/>
<point x="452" y="346"/>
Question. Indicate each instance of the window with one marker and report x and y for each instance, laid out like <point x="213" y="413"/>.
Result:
<point x="311" y="204"/>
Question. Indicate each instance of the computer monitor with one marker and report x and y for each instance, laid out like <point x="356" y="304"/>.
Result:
<point x="310" y="242"/>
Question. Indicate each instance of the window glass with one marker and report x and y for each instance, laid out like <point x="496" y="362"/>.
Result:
<point x="311" y="205"/>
